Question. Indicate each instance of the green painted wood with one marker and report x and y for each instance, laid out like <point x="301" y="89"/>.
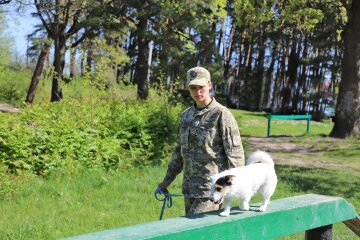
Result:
<point x="288" y="117"/>
<point x="269" y="126"/>
<point x="283" y="217"/>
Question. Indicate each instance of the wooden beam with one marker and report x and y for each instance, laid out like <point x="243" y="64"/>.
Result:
<point x="283" y="217"/>
<point x="354" y="225"/>
<point x="290" y="117"/>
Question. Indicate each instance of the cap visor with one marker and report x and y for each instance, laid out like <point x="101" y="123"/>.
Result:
<point x="198" y="82"/>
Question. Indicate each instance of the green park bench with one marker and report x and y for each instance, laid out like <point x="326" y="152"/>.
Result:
<point x="311" y="213"/>
<point x="288" y="117"/>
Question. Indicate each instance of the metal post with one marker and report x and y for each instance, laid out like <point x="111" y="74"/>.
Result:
<point x="308" y="126"/>
<point x="269" y="125"/>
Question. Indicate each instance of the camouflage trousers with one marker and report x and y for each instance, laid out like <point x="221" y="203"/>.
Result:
<point x="199" y="205"/>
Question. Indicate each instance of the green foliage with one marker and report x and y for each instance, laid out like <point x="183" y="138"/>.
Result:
<point x="304" y="18"/>
<point x="251" y="13"/>
<point x="98" y="200"/>
<point x="101" y="130"/>
<point x="105" y="58"/>
<point x="13" y="85"/>
<point x="87" y="132"/>
<point x="5" y="42"/>
<point x="294" y="15"/>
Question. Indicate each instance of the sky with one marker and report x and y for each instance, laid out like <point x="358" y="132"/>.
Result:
<point x="20" y="24"/>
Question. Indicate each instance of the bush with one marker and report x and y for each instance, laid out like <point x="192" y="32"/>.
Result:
<point x="13" y="85"/>
<point x="88" y="132"/>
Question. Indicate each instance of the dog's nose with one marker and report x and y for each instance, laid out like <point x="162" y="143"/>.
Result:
<point x="211" y="199"/>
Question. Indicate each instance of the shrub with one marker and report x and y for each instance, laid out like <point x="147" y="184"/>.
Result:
<point x="13" y="85"/>
<point x="88" y="132"/>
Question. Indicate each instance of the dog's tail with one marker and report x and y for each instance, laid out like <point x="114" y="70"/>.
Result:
<point x="259" y="157"/>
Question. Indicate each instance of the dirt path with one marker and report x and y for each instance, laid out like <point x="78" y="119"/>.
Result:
<point x="287" y="153"/>
<point x="4" y="107"/>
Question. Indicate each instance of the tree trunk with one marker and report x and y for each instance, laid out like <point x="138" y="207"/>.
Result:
<point x="284" y="83"/>
<point x="72" y="59"/>
<point x="59" y="36"/>
<point x="227" y="51"/>
<point x="259" y="81"/>
<point x="246" y="93"/>
<point x="89" y="58"/>
<point x="141" y="66"/>
<point x="347" y="116"/>
<point x="38" y="70"/>
<point x="82" y="63"/>
<point x="206" y="46"/>
<point x="294" y="61"/>
<point x="269" y="76"/>
<point x="301" y="90"/>
<point x="59" y="60"/>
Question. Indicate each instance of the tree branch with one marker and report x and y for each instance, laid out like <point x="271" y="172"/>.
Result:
<point x="5" y="1"/>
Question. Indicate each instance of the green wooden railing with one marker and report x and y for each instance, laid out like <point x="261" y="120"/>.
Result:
<point x="288" y="117"/>
<point x="312" y="213"/>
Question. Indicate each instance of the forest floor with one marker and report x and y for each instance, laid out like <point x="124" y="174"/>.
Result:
<point x="5" y="107"/>
<point x="285" y="152"/>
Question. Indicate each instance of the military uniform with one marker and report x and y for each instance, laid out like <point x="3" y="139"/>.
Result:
<point x="208" y="142"/>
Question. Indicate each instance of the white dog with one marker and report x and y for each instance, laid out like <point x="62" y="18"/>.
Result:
<point x="258" y="176"/>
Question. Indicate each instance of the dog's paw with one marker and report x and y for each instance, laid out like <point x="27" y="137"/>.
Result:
<point x="244" y="207"/>
<point x="224" y="213"/>
<point x="262" y="208"/>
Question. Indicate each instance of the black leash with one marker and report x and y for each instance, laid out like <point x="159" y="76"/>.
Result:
<point x="166" y="198"/>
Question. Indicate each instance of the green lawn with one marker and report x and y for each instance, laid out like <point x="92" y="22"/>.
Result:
<point x="76" y="203"/>
<point x="255" y="124"/>
<point x="66" y="205"/>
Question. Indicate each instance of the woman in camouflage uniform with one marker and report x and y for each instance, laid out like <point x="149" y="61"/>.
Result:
<point x="208" y="142"/>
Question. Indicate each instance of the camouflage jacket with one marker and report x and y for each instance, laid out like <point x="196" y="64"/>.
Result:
<point x="208" y="142"/>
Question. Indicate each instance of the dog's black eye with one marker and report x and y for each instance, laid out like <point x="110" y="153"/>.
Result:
<point x="218" y="189"/>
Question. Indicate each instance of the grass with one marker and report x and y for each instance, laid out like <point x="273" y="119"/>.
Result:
<point x="13" y="85"/>
<point x="321" y="181"/>
<point x="334" y="150"/>
<point x="66" y="204"/>
<point x="255" y="124"/>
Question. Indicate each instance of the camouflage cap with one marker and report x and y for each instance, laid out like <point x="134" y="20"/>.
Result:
<point x="198" y="76"/>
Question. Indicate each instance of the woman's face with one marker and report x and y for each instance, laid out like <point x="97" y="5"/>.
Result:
<point x="200" y="94"/>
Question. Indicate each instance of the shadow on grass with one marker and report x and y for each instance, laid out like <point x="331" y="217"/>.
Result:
<point x="321" y="181"/>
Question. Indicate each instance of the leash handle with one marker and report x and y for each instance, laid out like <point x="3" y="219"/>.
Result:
<point x="167" y="197"/>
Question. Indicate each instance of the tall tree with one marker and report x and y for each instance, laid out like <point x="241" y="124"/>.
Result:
<point x="141" y="65"/>
<point x="38" y="70"/>
<point x="61" y="19"/>
<point x="347" y="117"/>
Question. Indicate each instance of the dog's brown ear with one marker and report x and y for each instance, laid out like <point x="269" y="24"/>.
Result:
<point x="229" y="179"/>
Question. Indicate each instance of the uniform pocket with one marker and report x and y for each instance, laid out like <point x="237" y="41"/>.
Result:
<point x="236" y="140"/>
